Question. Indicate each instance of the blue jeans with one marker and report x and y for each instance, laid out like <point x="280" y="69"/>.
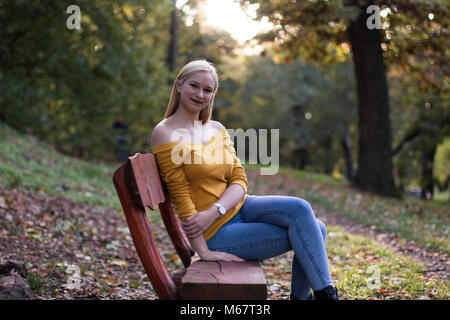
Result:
<point x="268" y="226"/>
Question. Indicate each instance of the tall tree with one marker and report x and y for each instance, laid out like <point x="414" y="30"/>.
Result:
<point x="374" y="153"/>
<point x="173" y="44"/>
<point x="323" y="32"/>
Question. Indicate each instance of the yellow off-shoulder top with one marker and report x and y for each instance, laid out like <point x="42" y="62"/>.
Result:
<point x="196" y="175"/>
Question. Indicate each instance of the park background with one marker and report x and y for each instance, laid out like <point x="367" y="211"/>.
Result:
<point x="363" y="116"/>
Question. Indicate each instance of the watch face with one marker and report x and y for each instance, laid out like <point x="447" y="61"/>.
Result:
<point x="222" y="210"/>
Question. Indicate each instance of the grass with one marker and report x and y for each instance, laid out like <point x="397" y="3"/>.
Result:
<point x="27" y="163"/>
<point x="362" y="269"/>
<point x="365" y="270"/>
<point x="411" y="219"/>
<point x="37" y="283"/>
<point x="300" y="174"/>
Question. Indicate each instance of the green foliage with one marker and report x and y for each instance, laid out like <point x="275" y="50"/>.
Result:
<point x="312" y="107"/>
<point x="319" y="24"/>
<point x="420" y="116"/>
<point x="69" y="86"/>
<point x="442" y="163"/>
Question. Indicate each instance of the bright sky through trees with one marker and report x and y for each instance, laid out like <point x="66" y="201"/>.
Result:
<point x="229" y="16"/>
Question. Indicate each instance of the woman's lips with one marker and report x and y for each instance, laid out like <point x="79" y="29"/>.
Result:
<point x="196" y="101"/>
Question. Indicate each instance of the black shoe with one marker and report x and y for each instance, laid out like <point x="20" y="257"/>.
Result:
<point x="310" y="297"/>
<point x="327" y="293"/>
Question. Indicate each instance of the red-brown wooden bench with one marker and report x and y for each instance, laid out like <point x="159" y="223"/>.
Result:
<point x="138" y="184"/>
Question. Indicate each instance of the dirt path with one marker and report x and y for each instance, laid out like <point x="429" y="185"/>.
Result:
<point x="436" y="264"/>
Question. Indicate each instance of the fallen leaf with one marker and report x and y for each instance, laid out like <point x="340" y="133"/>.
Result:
<point x="120" y="263"/>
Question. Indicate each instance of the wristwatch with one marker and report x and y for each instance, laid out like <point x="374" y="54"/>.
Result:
<point x="221" y="208"/>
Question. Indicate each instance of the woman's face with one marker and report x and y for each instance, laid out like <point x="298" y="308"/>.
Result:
<point x="197" y="91"/>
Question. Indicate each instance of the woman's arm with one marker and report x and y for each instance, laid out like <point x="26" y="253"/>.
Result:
<point x="196" y="224"/>
<point x="200" y="246"/>
<point x="232" y="195"/>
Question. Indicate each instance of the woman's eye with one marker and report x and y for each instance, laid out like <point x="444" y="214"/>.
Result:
<point x="193" y="85"/>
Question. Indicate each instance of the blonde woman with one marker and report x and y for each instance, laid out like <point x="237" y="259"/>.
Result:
<point x="222" y="221"/>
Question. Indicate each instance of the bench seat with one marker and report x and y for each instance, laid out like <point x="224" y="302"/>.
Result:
<point x="220" y="280"/>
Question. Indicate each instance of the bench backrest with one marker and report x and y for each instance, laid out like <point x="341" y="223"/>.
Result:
<point x="138" y="184"/>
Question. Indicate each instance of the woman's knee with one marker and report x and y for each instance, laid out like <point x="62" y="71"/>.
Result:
<point x="323" y="229"/>
<point x="304" y="209"/>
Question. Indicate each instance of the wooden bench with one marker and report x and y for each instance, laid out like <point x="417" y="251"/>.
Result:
<point x="138" y="184"/>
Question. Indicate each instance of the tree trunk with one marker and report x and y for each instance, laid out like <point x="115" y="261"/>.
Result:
<point x="347" y="149"/>
<point x="427" y="172"/>
<point x="375" y="162"/>
<point x="328" y="161"/>
<point x="173" y="45"/>
<point x="301" y="158"/>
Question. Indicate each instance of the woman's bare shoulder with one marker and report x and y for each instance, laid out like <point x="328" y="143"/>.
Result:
<point x="161" y="133"/>
<point x="216" y="124"/>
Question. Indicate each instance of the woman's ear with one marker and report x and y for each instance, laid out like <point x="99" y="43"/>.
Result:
<point x="177" y="86"/>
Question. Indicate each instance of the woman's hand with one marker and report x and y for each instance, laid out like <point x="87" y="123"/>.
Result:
<point x="219" y="256"/>
<point x="196" y="224"/>
<point x="200" y="246"/>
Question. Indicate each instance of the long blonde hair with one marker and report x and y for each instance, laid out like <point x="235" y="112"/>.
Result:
<point x="185" y="72"/>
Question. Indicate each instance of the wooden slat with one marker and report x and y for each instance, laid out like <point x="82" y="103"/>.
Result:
<point x="217" y="280"/>
<point x="142" y="235"/>
<point x="148" y="180"/>
<point x="173" y="226"/>
<point x="151" y="193"/>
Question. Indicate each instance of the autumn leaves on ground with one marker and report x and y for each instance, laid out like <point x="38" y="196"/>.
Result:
<point x="62" y="219"/>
